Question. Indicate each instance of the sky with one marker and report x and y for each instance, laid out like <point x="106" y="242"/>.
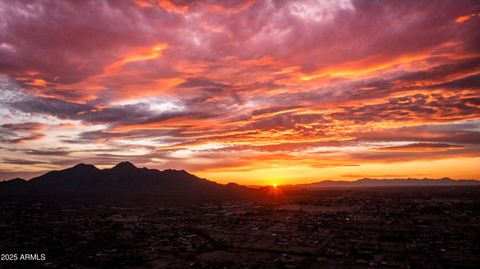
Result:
<point x="253" y="92"/>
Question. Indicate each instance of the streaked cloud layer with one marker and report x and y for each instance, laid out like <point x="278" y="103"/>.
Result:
<point x="248" y="91"/>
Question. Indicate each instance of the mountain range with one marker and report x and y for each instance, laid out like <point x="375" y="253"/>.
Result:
<point x="123" y="181"/>
<point x="396" y="182"/>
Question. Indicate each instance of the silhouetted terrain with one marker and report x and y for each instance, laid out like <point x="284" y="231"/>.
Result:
<point x="123" y="181"/>
<point x="130" y="217"/>
<point x="435" y="227"/>
<point x="373" y="182"/>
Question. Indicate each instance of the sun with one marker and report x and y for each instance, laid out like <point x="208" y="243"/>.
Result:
<point x="274" y="185"/>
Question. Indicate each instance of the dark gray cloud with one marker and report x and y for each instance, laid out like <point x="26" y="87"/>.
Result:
<point x="15" y="133"/>
<point x="51" y="106"/>
<point x="48" y="152"/>
<point x="449" y="133"/>
<point x="422" y="146"/>
<point x="421" y="107"/>
<point x="22" y="161"/>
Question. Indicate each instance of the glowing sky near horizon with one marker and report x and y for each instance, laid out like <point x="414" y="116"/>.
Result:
<point x="253" y="92"/>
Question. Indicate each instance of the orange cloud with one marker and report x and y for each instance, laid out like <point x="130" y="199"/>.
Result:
<point x="136" y="55"/>
<point x="167" y="5"/>
<point x="38" y="82"/>
<point x="465" y="18"/>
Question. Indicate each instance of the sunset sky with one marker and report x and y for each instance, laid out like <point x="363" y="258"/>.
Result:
<point x="253" y="92"/>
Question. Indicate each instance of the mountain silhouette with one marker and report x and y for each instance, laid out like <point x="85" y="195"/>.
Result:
<point x="397" y="182"/>
<point x="123" y="181"/>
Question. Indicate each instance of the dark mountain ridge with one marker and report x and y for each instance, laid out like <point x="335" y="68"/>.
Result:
<point x="127" y="182"/>
<point x="123" y="181"/>
<point x="396" y="182"/>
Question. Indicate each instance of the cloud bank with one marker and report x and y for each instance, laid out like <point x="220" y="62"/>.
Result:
<point x="246" y="91"/>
